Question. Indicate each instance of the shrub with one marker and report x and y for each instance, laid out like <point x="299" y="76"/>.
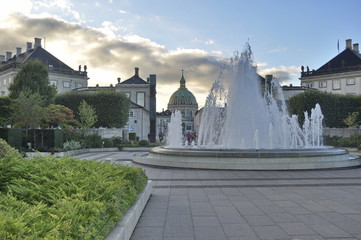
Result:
<point x="132" y="136"/>
<point x="6" y="150"/>
<point x="143" y="143"/>
<point x="71" y="145"/>
<point x="112" y="108"/>
<point x="64" y="198"/>
<point x="117" y="141"/>
<point x="93" y="141"/>
<point x="107" y="142"/>
<point x="348" y="142"/>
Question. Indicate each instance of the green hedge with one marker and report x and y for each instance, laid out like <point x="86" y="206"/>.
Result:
<point x="43" y="139"/>
<point x="64" y="198"/>
<point x="111" y="107"/>
<point x="6" y="150"/>
<point x="335" y="107"/>
<point x="12" y="136"/>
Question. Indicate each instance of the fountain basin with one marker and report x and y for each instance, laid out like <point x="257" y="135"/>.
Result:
<point x="250" y="159"/>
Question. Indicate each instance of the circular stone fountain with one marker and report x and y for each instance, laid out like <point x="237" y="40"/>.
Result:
<point x="245" y="126"/>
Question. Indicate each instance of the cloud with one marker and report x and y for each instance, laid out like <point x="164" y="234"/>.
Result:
<point x="286" y="74"/>
<point x="109" y="56"/>
<point x="206" y="42"/>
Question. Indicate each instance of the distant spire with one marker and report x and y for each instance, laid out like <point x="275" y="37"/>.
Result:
<point x="182" y="81"/>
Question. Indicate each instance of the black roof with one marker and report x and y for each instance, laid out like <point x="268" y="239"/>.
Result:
<point x="135" y="79"/>
<point x="40" y="54"/>
<point x="346" y="61"/>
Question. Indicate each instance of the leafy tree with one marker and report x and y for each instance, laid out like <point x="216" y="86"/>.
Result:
<point x="5" y="110"/>
<point x="28" y="110"/>
<point x="60" y="116"/>
<point x="87" y="116"/>
<point x="33" y="77"/>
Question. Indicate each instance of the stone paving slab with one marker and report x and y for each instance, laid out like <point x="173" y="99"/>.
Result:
<point x="210" y="204"/>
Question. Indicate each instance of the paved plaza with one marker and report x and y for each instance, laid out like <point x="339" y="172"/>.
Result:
<point x="218" y="204"/>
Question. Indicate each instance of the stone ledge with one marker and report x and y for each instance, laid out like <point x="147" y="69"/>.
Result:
<point x="124" y="229"/>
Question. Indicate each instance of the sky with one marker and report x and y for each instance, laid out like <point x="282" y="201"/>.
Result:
<point x="164" y="37"/>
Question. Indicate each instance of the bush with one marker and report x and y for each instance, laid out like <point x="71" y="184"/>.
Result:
<point x="143" y="143"/>
<point x="71" y="145"/>
<point x="117" y="141"/>
<point x="347" y="142"/>
<point x="7" y="150"/>
<point x="132" y="136"/>
<point x="64" y="198"/>
<point x="112" y="108"/>
<point x="107" y="143"/>
<point x="93" y="141"/>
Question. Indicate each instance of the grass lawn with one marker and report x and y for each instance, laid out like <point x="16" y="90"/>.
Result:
<point x="64" y="198"/>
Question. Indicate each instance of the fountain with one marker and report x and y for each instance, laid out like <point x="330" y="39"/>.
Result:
<point x="244" y="126"/>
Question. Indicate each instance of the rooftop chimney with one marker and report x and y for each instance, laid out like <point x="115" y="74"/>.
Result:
<point x="136" y="71"/>
<point x="18" y="51"/>
<point x="349" y="44"/>
<point x="2" y="58"/>
<point x="37" y="42"/>
<point x="355" y="47"/>
<point x="29" y="46"/>
<point x="8" y="55"/>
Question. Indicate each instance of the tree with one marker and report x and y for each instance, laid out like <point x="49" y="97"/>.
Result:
<point x="33" y="77"/>
<point x="28" y="111"/>
<point x="60" y="116"/>
<point x="351" y="119"/>
<point x="87" y="116"/>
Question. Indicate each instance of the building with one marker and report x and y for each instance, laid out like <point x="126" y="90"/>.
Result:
<point x="184" y="101"/>
<point x="342" y="74"/>
<point x="61" y="75"/>
<point x="142" y="113"/>
<point x="142" y="95"/>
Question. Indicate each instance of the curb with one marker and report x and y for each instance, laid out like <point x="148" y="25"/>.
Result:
<point x="123" y="230"/>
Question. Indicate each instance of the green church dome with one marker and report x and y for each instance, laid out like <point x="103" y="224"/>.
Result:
<point x="182" y="96"/>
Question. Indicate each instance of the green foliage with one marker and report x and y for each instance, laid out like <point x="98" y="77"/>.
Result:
<point x="348" y="142"/>
<point x="6" y="150"/>
<point x="92" y="141"/>
<point x="143" y="143"/>
<point x="33" y="76"/>
<point x="132" y="136"/>
<point x="5" y="110"/>
<point x="351" y="119"/>
<point x="87" y="116"/>
<point x="60" y="116"/>
<point x="64" y="198"/>
<point x="111" y="107"/>
<point x="107" y="142"/>
<point x="13" y="136"/>
<point x="71" y="145"/>
<point x="335" y="107"/>
<point x="28" y="110"/>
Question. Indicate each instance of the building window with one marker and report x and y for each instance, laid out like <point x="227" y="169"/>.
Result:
<point x="131" y="114"/>
<point x="54" y="82"/>
<point x="350" y="81"/>
<point x="183" y="113"/>
<point x="141" y="98"/>
<point x="66" y="84"/>
<point x="323" y="84"/>
<point x="336" y="85"/>
<point x="127" y="94"/>
<point x="309" y="85"/>
<point x="78" y="85"/>
<point x="189" y="127"/>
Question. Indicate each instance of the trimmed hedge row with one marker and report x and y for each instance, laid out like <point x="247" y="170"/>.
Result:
<point x="335" y="107"/>
<point x="111" y="107"/>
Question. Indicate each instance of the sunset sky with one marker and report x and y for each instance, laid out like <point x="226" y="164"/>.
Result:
<point x="163" y="37"/>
